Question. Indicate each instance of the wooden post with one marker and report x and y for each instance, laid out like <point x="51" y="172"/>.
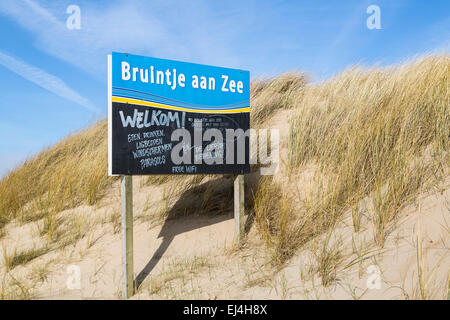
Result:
<point x="127" y="237"/>
<point x="239" y="207"/>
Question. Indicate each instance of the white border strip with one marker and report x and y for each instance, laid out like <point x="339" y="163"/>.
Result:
<point x="110" y="115"/>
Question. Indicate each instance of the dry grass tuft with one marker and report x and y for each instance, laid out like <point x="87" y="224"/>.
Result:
<point x="376" y="138"/>
<point x="12" y="288"/>
<point x="176" y="274"/>
<point x="329" y="257"/>
<point x="382" y="133"/>
<point x="17" y="258"/>
<point x="72" y="172"/>
<point x="274" y="218"/>
<point x="269" y="95"/>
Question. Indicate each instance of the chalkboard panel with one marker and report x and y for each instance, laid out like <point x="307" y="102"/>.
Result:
<point x="155" y="128"/>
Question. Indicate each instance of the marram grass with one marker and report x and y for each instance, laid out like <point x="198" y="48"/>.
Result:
<point x="377" y="137"/>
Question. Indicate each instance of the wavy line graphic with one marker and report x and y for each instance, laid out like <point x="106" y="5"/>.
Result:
<point x="141" y="102"/>
<point x="135" y="93"/>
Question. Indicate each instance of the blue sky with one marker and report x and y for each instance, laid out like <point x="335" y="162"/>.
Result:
<point x="53" y="80"/>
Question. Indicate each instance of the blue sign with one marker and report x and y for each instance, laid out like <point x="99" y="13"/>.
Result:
<point x="150" y="98"/>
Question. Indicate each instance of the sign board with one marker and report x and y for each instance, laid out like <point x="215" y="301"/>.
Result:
<point x="172" y="117"/>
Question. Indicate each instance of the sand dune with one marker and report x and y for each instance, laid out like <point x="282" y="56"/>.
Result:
<point x="359" y="208"/>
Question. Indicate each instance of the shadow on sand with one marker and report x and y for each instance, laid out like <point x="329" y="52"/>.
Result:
<point x="212" y="199"/>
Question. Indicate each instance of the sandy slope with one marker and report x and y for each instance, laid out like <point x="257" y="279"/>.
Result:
<point x="194" y="256"/>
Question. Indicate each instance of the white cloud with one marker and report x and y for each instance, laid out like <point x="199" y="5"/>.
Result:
<point x="45" y="80"/>
<point x="188" y="31"/>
